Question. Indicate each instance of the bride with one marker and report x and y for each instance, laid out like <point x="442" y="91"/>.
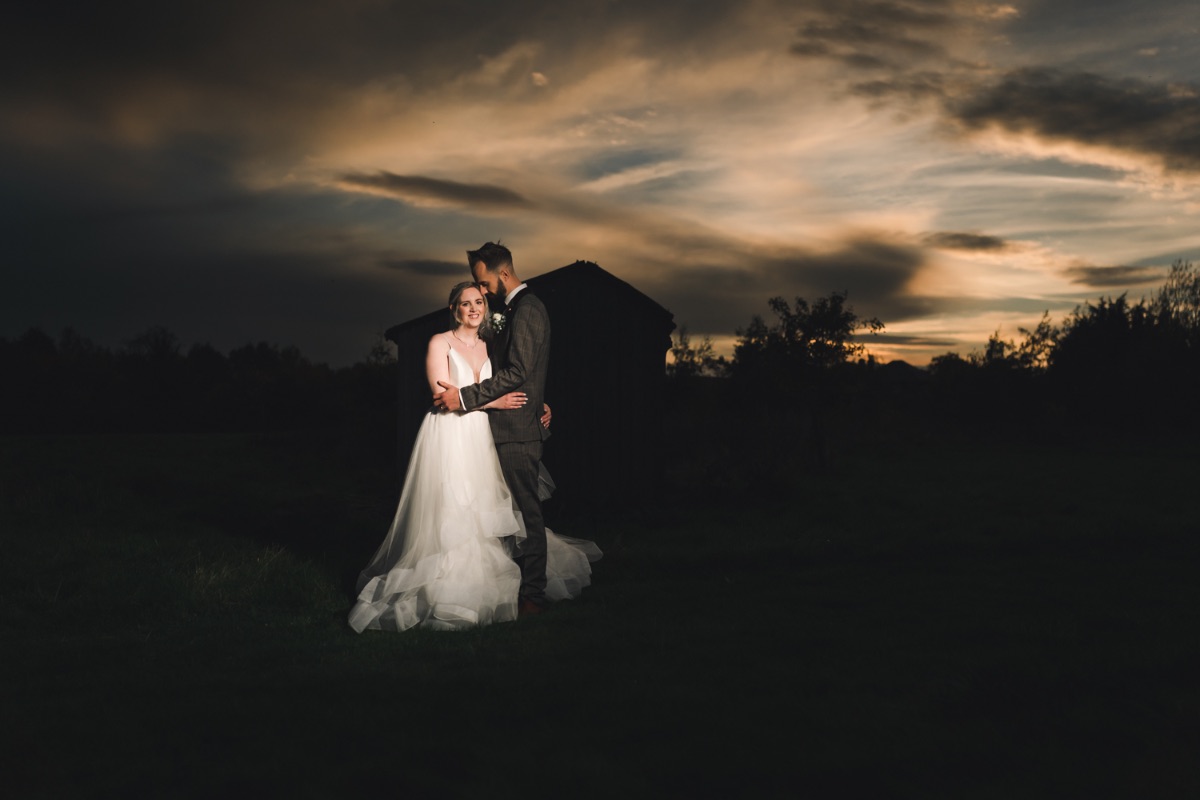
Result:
<point x="446" y="563"/>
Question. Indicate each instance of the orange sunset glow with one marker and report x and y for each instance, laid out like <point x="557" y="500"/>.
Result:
<point x="311" y="173"/>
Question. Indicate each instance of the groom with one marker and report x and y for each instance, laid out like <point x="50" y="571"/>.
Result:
<point x="520" y="356"/>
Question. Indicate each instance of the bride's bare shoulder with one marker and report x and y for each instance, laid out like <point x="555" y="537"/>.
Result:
<point x="438" y="343"/>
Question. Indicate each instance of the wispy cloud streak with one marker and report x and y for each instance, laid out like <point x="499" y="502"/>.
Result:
<point x="423" y="190"/>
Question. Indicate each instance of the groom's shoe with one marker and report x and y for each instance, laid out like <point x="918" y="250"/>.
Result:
<point x="527" y="607"/>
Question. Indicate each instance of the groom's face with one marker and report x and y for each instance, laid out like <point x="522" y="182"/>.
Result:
<point x="487" y="281"/>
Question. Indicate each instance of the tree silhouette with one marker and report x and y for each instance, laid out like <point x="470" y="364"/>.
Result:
<point x="804" y="338"/>
<point x="803" y="361"/>
<point x="1109" y="359"/>
<point x="690" y="361"/>
<point x="1177" y="303"/>
<point x="1113" y="336"/>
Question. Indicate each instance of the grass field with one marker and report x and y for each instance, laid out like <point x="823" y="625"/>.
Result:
<point x="1000" y="621"/>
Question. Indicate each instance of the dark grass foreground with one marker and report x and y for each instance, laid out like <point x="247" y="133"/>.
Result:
<point x="1001" y="622"/>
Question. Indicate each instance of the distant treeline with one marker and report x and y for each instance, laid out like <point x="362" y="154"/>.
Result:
<point x="796" y="390"/>
<point x="800" y="389"/>
<point x="150" y="384"/>
<point x="1115" y="364"/>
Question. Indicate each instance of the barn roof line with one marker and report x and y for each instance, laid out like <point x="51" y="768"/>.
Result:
<point x="547" y="283"/>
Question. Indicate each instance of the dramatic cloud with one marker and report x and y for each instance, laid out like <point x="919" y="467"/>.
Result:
<point x="951" y="240"/>
<point x="1157" y="121"/>
<point x="917" y="52"/>
<point x="1114" y="277"/>
<point x="873" y="271"/>
<point x="870" y="270"/>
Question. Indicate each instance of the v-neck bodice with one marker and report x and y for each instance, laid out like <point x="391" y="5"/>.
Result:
<point x="461" y="373"/>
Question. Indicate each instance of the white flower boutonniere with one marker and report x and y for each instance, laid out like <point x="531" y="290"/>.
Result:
<point x="498" y="321"/>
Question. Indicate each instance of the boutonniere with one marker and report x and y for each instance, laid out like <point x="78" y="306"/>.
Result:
<point x="498" y="321"/>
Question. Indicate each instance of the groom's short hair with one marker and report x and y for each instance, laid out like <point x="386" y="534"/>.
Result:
<point x="493" y="255"/>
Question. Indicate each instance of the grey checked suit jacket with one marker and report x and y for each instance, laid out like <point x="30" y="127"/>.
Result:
<point x="520" y="359"/>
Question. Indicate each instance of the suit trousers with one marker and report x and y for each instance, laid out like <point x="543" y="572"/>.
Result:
<point x="519" y="462"/>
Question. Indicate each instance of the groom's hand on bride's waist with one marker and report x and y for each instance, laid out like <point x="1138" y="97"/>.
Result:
<point x="448" y="400"/>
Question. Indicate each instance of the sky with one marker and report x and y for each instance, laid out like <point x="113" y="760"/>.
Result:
<point x="311" y="172"/>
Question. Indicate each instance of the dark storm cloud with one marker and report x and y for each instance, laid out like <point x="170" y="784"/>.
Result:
<point x="1148" y="119"/>
<point x="110" y="243"/>
<point x="419" y="188"/>
<point x="954" y="240"/>
<point x="902" y="51"/>
<point x="873" y="272"/>
<point x="294" y="53"/>
<point x="130" y="128"/>
<point x="1114" y="277"/>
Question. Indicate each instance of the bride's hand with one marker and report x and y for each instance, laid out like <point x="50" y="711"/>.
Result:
<point x="508" y="401"/>
<point x="545" y="415"/>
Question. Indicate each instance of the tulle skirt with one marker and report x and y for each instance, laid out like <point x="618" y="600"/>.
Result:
<point x="446" y="562"/>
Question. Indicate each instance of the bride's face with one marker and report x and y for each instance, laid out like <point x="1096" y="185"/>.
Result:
<point x="470" y="308"/>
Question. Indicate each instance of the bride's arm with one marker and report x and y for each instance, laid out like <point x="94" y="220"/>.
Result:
<point x="437" y="362"/>
<point x="507" y="401"/>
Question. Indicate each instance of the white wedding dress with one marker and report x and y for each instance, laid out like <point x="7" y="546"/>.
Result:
<point x="445" y="563"/>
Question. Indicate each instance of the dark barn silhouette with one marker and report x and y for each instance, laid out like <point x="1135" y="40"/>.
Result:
<point x="608" y="351"/>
